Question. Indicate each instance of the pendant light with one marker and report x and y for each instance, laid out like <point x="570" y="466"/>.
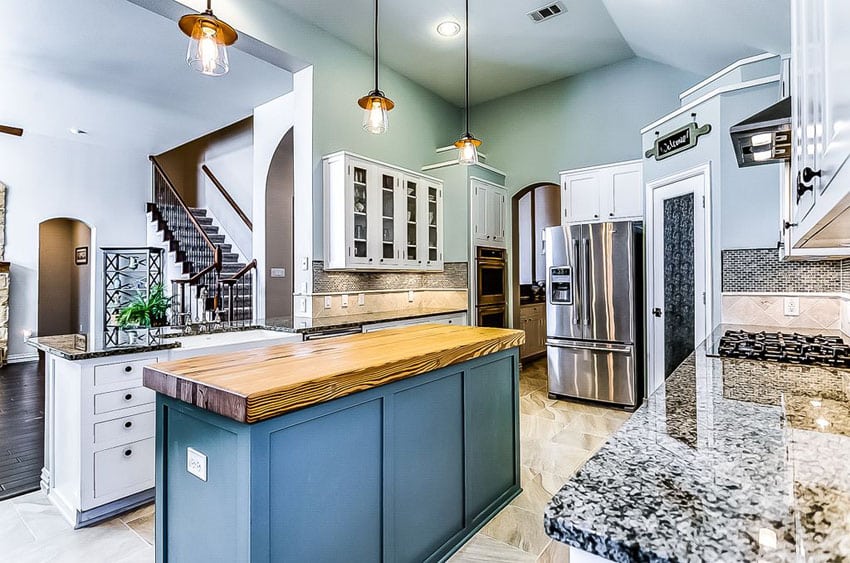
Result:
<point x="467" y="146"/>
<point x="209" y="38"/>
<point x="376" y="106"/>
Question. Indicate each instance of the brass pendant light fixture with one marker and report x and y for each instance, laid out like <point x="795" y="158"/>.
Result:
<point x="467" y="146"/>
<point x="376" y="106"/>
<point x="209" y="38"/>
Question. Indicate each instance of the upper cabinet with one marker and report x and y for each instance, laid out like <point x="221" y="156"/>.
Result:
<point x="380" y="217"/>
<point x="489" y="213"/>
<point x="819" y="186"/>
<point x="602" y="193"/>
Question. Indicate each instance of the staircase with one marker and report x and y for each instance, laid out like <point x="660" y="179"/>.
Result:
<point x="215" y="285"/>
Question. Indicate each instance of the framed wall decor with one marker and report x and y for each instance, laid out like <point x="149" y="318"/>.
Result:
<point x="81" y="255"/>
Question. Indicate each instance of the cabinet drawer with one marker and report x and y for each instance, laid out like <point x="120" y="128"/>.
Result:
<point x="122" y="467"/>
<point x="124" y="372"/>
<point x="114" y="400"/>
<point x="125" y="429"/>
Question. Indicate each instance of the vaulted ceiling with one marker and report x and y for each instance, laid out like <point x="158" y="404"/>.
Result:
<point x="511" y="53"/>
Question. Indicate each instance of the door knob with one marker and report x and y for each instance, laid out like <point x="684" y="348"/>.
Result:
<point x="657" y="312"/>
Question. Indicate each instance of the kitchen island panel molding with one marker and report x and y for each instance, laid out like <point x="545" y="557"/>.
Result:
<point x="346" y="479"/>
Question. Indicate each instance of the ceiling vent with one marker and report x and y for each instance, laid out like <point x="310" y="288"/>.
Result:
<point x="547" y="12"/>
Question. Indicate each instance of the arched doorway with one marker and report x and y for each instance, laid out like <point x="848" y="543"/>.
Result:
<point x="65" y="261"/>
<point x="280" y="191"/>
<point x="534" y="208"/>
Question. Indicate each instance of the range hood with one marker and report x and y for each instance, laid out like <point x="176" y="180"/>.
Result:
<point x="765" y="137"/>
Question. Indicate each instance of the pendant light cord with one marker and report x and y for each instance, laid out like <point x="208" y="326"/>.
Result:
<point x="467" y="68"/>
<point x="376" y="45"/>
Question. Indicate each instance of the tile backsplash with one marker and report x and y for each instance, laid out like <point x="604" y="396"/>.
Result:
<point x="455" y="275"/>
<point x="758" y="270"/>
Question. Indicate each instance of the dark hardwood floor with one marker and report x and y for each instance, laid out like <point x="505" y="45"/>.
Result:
<point x="21" y="428"/>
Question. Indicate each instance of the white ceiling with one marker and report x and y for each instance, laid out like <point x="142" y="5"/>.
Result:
<point x="510" y="53"/>
<point x="119" y="72"/>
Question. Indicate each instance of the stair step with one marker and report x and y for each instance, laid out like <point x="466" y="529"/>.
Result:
<point x="217" y="239"/>
<point x="204" y="221"/>
<point x="198" y="211"/>
<point x="229" y="256"/>
<point x="210" y="229"/>
<point x="232" y="266"/>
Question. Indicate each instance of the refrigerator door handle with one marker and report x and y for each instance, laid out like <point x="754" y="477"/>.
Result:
<point x="577" y="283"/>
<point x="592" y="347"/>
<point x="586" y="279"/>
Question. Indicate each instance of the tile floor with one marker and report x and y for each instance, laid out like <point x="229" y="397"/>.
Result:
<point x="557" y="438"/>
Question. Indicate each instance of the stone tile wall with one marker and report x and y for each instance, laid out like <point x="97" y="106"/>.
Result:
<point x="758" y="270"/>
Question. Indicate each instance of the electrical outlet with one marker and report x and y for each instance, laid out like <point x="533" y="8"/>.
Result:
<point x="196" y="463"/>
<point x="792" y="306"/>
<point x="361" y="299"/>
<point x="410" y="296"/>
<point x="303" y="305"/>
<point x="327" y="301"/>
<point x="345" y="300"/>
<point x="278" y="272"/>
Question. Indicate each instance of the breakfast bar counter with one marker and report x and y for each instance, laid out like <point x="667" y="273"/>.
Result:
<point x="395" y="445"/>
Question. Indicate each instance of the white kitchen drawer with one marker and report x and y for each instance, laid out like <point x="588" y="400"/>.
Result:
<point x="124" y="467"/>
<point x="125" y="429"/>
<point x="122" y="399"/>
<point x="123" y="372"/>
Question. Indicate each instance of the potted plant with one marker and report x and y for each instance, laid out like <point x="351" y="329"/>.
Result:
<point x="150" y="311"/>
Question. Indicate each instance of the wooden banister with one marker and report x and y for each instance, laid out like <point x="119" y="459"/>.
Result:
<point x="241" y="273"/>
<point x="227" y="197"/>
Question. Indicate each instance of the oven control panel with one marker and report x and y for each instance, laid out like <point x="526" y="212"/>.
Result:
<point x="561" y="285"/>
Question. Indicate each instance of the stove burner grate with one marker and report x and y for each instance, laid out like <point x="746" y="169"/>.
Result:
<point x="795" y="348"/>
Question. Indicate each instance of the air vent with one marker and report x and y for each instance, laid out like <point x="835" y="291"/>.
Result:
<point x="547" y="12"/>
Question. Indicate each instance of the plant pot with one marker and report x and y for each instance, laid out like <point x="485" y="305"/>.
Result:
<point x="159" y="322"/>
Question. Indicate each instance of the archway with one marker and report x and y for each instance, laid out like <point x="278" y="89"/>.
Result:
<point x="65" y="262"/>
<point x="280" y="191"/>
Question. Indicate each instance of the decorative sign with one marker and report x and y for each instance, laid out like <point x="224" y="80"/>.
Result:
<point x="678" y="141"/>
<point x="81" y="255"/>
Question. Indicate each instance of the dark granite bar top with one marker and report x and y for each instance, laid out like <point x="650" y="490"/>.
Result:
<point x="66" y="346"/>
<point x="729" y="460"/>
<point x="307" y="325"/>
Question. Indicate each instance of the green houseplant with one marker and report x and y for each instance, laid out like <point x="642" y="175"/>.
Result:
<point x="146" y="311"/>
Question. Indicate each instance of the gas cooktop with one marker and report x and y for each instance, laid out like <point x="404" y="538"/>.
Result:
<point x="829" y="351"/>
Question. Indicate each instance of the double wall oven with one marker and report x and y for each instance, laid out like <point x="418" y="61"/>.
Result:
<point x="491" y="295"/>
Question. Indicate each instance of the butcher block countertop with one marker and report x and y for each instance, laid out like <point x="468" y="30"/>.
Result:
<point x="255" y="385"/>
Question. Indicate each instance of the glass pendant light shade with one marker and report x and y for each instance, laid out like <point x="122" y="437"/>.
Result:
<point x="209" y="38"/>
<point x="467" y="150"/>
<point x="376" y="109"/>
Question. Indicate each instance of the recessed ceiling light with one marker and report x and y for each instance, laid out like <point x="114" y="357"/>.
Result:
<point x="78" y="131"/>
<point x="448" y="28"/>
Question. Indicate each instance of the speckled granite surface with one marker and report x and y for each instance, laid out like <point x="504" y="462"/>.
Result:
<point x="64" y="346"/>
<point x="730" y="460"/>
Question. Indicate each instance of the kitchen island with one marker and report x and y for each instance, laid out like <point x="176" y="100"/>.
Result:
<point x="729" y="460"/>
<point x="395" y="445"/>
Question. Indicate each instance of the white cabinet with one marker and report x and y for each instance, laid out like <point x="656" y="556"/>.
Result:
<point x="449" y="318"/>
<point x="819" y="186"/>
<point x="489" y="213"/>
<point x="602" y="193"/>
<point x="380" y="217"/>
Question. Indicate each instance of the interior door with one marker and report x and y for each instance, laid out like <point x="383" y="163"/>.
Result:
<point x="678" y="317"/>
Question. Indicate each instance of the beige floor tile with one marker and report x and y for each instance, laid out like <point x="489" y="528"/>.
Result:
<point x="144" y="526"/>
<point x="146" y="510"/>
<point x="555" y="552"/>
<point x="40" y="516"/>
<point x="13" y="531"/>
<point x="520" y="528"/>
<point x="572" y="438"/>
<point x="484" y="549"/>
<point x="528" y="384"/>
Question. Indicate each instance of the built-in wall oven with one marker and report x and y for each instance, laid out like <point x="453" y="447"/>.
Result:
<point x="491" y="274"/>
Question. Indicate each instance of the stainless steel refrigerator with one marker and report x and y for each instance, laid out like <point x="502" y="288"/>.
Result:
<point x="594" y="322"/>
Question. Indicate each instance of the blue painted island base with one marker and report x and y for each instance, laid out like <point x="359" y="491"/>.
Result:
<point x="404" y="472"/>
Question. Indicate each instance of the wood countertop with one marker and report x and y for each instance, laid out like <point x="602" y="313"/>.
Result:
<point x="255" y="385"/>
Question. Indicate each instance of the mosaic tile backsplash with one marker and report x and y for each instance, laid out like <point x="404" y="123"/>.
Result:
<point x="758" y="270"/>
<point x="455" y="275"/>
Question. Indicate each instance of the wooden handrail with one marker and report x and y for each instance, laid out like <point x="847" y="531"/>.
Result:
<point x="227" y="197"/>
<point x="185" y="207"/>
<point x="247" y="268"/>
<point x="9" y="130"/>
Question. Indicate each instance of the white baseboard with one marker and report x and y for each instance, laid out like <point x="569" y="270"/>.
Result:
<point x="20" y="358"/>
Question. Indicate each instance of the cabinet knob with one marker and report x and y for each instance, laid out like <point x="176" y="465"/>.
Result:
<point x="382" y="259"/>
<point x="610" y="215"/>
<point x="128" y="424"/>
<point x="128" y="397"/>
<point x="128" y="452"/>
<point x="370" y="259"/>
<point x="128" y="369"/>
<point x="596" y="216"/>
<point x="808" y="175"/>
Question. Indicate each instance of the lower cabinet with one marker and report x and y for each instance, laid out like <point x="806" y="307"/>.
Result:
<point x="532" y="319"/>
<point x="406" y="472"/>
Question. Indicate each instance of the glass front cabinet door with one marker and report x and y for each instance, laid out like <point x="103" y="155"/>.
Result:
<point x="361" y="179"/>
<point x="412" y="216"/>
<point x="431" y="233"/>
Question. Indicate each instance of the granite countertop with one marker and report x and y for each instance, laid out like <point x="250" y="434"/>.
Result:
<point x="66" y="346"/>
<point x="308" y="325"/>
<point x="729" y="460"/>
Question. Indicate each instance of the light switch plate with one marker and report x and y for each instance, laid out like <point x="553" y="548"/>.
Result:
<point x="278" y="272"/>
<point x="792" y="306"/>
<point x="345" y="300"/>
<point x="303" y="305"/>
<point x="196" y="463"/>
<point x="327" y="301"/>
<point x="305" y="263"/>
<point x="361" y="299"/>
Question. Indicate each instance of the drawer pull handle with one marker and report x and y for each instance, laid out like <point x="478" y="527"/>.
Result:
<point x="128" y="369"/>
<point x="128" y="424"/>
<point x="128" y="397"/>
<point x="128" y="452"/>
